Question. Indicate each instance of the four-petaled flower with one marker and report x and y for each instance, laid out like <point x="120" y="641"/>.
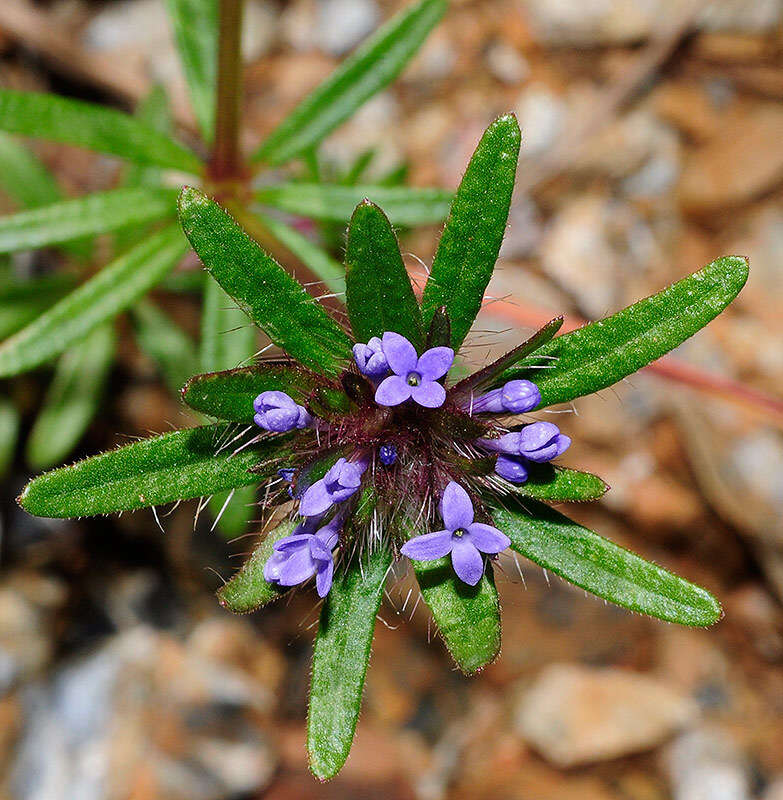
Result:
<point x="306" y="552"/>
<point x="415" y="377"/>
<point x="370" y="358"/>
<point x="339" y="483"/>
<point x="278" y="412"/>
<point x="465" y="539"/>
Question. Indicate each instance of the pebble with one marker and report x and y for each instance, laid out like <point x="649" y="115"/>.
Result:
<point x="576" y="715"/>
<point x="506" y="63"/>
<point x="542" y="117"/>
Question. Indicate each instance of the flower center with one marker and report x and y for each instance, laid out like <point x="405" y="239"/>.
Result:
<point x="414" y="379"/>
<point x="459" y="533"/>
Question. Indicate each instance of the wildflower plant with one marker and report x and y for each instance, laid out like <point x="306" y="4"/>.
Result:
<point x="370" y="453"/>
<point x="69" y="316"/>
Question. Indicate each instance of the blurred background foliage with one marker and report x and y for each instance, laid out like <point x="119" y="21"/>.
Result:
<point x="651" y="145"/>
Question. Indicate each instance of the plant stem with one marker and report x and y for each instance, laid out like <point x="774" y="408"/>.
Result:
<point x="225" y="162"/>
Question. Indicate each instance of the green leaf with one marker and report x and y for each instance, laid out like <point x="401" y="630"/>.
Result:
<point x="95" y="213"/>
<point x="340" y="658"/>
<point x="169" y="347"/>
<point x="113" y="289"/>
<point x="378" y="291"/>
<point x="195" y="24"/>
<point x="73" y="398"/>
<point x="234" y="510"/>
<point x="23" y="177"/>
<point x="229" y="395"/>
<point x="248" y="590"/>
<point x="604" y="352"/>
<point x="269" y="296"/>
<point x="318" y="261"/>
<point x="9" y="433"/>
<point x="46" y="116"/>
<point x="599" y="566"/>
<point x="474" y="231"/>
<point x="554" y="484"/>
<point x="468" y="617"/>
<point x="404" y="205"/>
<point x="373" y="66"/>
<point x="22" y="301"/>
<point x="175" y="466"/>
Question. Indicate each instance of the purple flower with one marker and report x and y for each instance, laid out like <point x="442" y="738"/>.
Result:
<point x="342" y="480"/>
<point x="414" y="377"/>
<point x="370" y="358"/>
<point x="277" y="412"/>
<point x="387" y="454"/>
<point x="539" y="442"/>
<point x="296" y="558"/>
<point x="516" y="397"/>
<point x="465" y="539"/>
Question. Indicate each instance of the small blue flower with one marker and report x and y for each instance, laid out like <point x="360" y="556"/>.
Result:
<point x="277" y="412"/>
<point x="387" y="454"/>
<point x="339" y="483"/>
<point x="516" y="397"/>
<point x="370" y="358"/>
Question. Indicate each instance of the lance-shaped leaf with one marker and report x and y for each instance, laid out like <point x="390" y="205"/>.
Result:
<point x="9" y="433"/>
<point x="474" y="230"/>
<point x="604" y="352"/>
<point x="112" y="290"/>
<point x="599" y="566"/>
<point x="22" y="301"/>
<point x="263" y="289"/>
<point x="195" y="24"/>
<point x="168" y="346"/>
<point x="371" y="68"/>
<point x="229" y="395"/>
<point x="23" y="177"/>
<point x="468" y="617"/>
<point x="340" y="658"/>
<point x="553" y="484"/>
<point x="74" y="396"/>
<point x="46" y="116"/>
<point x="318" y="261"/>
<point x="378" y="291"/>
<point x="404" y="205"/>
<point x="248" y="590"/>
<point x="96" y="213"/>
<point x="175" y="466"/>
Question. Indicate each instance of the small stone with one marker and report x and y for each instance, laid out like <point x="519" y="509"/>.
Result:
<point x="506" y="63"/>
<point x="704" y="764"/>
<point x="342" y="24"/>
<point x="576" y="715"/>
<point x="542" y="117"/>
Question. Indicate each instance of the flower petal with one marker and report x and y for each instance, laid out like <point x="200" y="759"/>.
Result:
<point x="429" y="546"/>
<point x="392" y="391"/>
<point x="428" y="394"/>
<point x="512" y="469"/>
<point x="272" y="567"/>
<point x="293" y="541"/>
<point x="399" y="352"/>
<point x="563" y="443"/>
<point x="467" y="561"/>
<point x="488" y="539"/>
<point x="435" y="363"/>
<point x="537" y="435"/>
<point x="297" y="568"/>
<point x="319" y="551"/>
<point x="456" y="508"/>
<point x="315" y="500"/>
<point x="323" y="577"/>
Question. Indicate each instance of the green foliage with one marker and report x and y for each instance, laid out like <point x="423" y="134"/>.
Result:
<point x="378" y="292"/>
<point x="468" y="617"/>
<point x="169" y="347"/>
<point x="229" y="395"/>
<point x="175" y="466"/>
<point x="22" y="301"/>
<point x="97" y="213"/>
<point x="601" y="567"/>
<point x="9" y="433"/>
<point x="340" y="658"/>
<point x="23" y="177"/>
<point x="474" y="231"/>
<point x="73" y="398"/>
<point x="604" y="352"/>
<point x="104" y="130"/>
<point x="263" y="289"/>
<point x="112" y="290"/>
<point x="404" y="205"/>
<point x="371" y="68"/>
<point x="195" y="24"/>
<point x="555" y="484"/>
<point x="248" y="590"/>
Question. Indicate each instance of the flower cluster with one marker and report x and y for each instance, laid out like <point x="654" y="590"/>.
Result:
<point x="398" y="434"/>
